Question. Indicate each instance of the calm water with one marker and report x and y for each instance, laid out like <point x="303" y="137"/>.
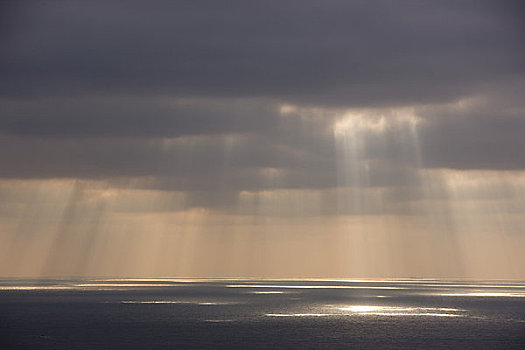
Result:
<point x="171" y="313"/>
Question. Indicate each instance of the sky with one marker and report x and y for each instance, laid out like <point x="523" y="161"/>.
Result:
<point x="268" y="139"/>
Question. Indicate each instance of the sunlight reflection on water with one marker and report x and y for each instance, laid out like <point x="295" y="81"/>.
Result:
<point x="402" y="311"/>
<point x="485" y="294"/>
<point x="376" y="310"/>
<point x="203" y="303"/>
<point x="293" y="286"/>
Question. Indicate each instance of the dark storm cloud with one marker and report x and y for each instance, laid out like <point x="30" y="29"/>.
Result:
<point x="474" y="139"/>
<point x="187" y="163"/>
<point x="303" y="152"/>
<point x="132" y="117"/>
<point x="316" y="52"/>
<point x="186" y="95"/>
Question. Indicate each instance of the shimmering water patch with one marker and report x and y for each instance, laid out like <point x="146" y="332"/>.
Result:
<point x="376" y="310"/>
<point x="293" y="286"/>
<point x="203" y="303"/>
<point x="486" y="294"/>
<point x="299" y="315"/>
<point x="36" y="287"/>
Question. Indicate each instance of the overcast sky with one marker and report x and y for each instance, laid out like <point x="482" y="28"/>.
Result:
<point x="241" y="138"/>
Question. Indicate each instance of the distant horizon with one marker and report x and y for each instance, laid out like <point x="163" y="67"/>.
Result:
<point x="254" y="278"/>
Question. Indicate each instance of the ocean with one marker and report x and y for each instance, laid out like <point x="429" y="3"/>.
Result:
<point x="261" y="314"/>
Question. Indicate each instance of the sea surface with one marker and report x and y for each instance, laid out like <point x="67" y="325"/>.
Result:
<point x="261" y="314"/>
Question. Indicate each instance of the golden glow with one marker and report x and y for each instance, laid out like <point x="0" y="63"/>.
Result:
<point x="443" y="223"/>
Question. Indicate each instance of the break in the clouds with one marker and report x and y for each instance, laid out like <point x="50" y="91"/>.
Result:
<point x="262" y="118"/>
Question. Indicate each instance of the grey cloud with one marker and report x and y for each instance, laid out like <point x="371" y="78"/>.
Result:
<point x="304" y="149"/>
<point x="185" y="96"/>
<point x="335" y="53"/>
<point x="474" y="139"/>
<point x="132" y="117"/>
<point x="194" y="163"/>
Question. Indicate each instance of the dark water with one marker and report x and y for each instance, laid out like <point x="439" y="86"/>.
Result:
<point x="245" y="314"/>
